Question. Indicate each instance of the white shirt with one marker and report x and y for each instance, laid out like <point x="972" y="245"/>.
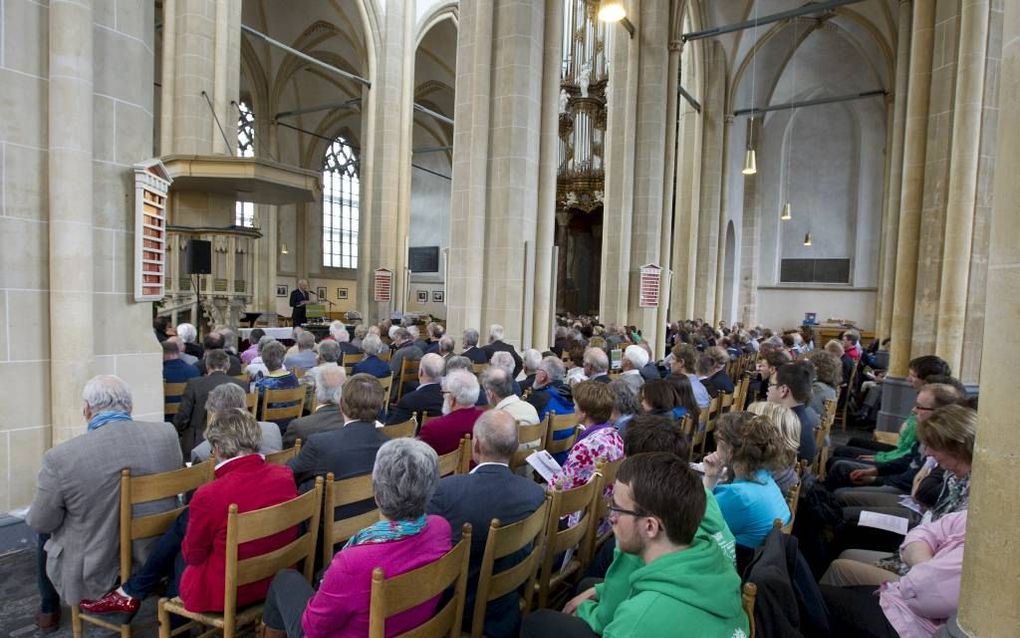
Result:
<point x="222" y="463"/>
<point x="520" y="410"/>
<point x="487" y="463"/>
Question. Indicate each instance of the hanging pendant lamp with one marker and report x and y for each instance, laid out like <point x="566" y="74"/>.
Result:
<point x="750" y="163"/>
<point x="611" y="11"/>
<point x="807" y="239"/>
<point x="787" y="212"/>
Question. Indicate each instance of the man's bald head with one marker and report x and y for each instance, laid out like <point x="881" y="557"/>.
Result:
<point x="431" y="367"/>
<point x="495" y="437"/>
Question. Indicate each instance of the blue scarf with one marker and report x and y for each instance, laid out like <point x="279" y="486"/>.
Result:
<point x="387" y="531"/>
<point x="99" y="420"/>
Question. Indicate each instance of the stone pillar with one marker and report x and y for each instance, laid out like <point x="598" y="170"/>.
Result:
<point x="963" y="175"/>
<point x="70" y="205"/>
<point x="667" y="215"/>
<point x="713" y="122"/>
<point x="989" y="597"/>
<point x="388" y="173"/>
<point x="746" y="278"/>
<point x="716" y="303"/>
<point x="894" y="179"/>
<point x="687" y="195"/>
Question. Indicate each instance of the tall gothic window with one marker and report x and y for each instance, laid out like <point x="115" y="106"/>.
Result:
<point x="244" y="212"/>
<point x="340" y="211"/>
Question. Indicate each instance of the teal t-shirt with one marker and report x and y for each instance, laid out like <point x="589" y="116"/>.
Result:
<point x="750" y="506"/>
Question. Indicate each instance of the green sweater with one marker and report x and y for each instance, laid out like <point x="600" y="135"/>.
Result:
<point x="697" y="588"/>
<point x="908" y="437"/>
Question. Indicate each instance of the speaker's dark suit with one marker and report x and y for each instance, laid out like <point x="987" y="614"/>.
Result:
<point x="326" y="418"/>
<point x="490" y="491"/>
<point x="190" y="418"/>
<point x="300" y="315"/>
<point x="425" y="399"/>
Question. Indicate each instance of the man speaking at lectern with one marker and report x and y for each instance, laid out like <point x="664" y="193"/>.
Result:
<point x="298" y="300"/>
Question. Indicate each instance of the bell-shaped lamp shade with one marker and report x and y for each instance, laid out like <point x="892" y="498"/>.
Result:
<point x="807" y="239"/>
<point x="750" y="163"/>
<point x="611" y="10"/>
<point x="283" y="249"/>
<point x="787" y="212"/>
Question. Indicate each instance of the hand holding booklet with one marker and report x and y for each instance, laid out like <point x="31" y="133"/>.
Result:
<point x="544" y="464"/>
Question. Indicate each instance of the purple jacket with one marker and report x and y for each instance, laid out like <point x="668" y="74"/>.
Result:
<point x="340" y="608"/>
<point x="918" y="605"/>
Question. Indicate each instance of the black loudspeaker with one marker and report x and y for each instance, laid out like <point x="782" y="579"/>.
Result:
<point x="198" y="257"/>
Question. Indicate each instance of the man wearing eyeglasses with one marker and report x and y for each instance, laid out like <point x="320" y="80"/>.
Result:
<point x="663" y="576"/>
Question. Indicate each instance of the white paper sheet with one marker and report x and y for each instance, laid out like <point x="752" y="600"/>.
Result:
<point x="544" y="464"/>
<point x="887" y="522"/>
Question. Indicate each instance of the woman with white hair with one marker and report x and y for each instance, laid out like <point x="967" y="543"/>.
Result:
<point x="404" y="478"/>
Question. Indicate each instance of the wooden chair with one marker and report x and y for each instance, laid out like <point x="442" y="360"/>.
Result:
<point x="243" y="528"/>
<point x="172" y="391"/>
<point x="300" y="372"/>
<point x="889" y="438"/>
<point x="385" y="355"/>
<point x="283" y="404"/>
<point x="408" y="372"/>
<point x="251" y="401"/>
<point x="391" y="596"/>
<point x="608" y="470"/>
<point x="560" y="423"/>
<point x="337" y="494"/>
<point x="504" y="541"/>
<point x="528" y="433"/>
<point x="740" y="392"/>
<point x="792" y="498"/>
<point x="136" y="491"/>
<point x="846" y="391"/>
<point x="687" y="426"/>
<point x="725" y="402"/>
<point x="479" y="368"/>
<point x="243" y="378"/>
<point x="565" y="502"/>
<point x="281" y="457"/>
<point x="458" y="461"/>
<point x="406" y="429"/>
<point x="821" y="434"/>
<point x="748" y="594"/>
<point x="387" y="386"/>
<point x="350" y="358"/>
<point x="706" y="423"/>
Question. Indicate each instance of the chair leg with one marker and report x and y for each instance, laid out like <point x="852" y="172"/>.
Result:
<point x="76" y="628"/>
<point x="164" y="619"/>
<point x="125" y="631"/>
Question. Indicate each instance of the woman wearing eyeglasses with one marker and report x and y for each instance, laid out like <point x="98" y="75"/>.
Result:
<point x="747" y="451"/>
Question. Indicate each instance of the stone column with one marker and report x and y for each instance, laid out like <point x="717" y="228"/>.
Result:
<point x="667" y="215"/>
<point x="746" y="277"/>
<point x="687" y="194"/>
<point x="70" y="206"/>
<point x="963" y="175"/>
<point x="716" y="303"/>
<point x="897" y="395"/>
<point x="894" y="179"/>
<point x="989" y="597"/>
<point x="713" y="122"/>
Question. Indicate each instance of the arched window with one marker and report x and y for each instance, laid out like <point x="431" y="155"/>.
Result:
<point x="340" y="211"/>
<point x="244" y="212"/>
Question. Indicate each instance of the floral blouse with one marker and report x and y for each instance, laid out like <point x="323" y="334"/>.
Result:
<point x="603" y="444"/>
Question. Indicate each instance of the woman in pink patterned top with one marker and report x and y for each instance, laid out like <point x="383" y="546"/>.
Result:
<point x="599" y="441"/>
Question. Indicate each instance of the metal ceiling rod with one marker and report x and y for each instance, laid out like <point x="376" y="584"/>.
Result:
<point x="816" y="102"/>
<point x="305" y="56"/>
<point x="807" y="9"/>
<point x="428" y="111"/>
<point x="690" y="98"/>
<point x="346" y="104"/>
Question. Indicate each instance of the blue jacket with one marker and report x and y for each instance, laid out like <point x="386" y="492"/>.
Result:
<point x="372" y="365"/>
<point x="177" y="371"/>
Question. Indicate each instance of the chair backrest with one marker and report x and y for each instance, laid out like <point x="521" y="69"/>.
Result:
<point x="284" y="455"/>
<point x="251" y="401"/>
<point x="337" y="494"/>
<point x="385" y="355"/>
<point x="504" y="541"/>
<point x="408" y="372"/>
<point x="725" y="402"/>
<point x="748" y="593"/>
<point x="792" y="498"/>
<point x="559" y="423"/>
<point x="458" y="461"/>
<point x="350" y="358"/>
<point x="528" y="433"/>
<point x="479" y="368"/>
<point x="299" y="372"/>
<point x="243" y="378"/>
<point x="405" y="429"/>
<point x="136" y="490"/>
<point x="387" y="386"/>
<point x="263" y="523"/>
<point x="608" y="470"/>
<point x="581" y="499"/>
<point x="172" y="391"/>
<point x="391" y="596"/>
<point x="283" y="404"/>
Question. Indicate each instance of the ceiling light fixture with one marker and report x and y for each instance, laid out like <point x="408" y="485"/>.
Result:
<point x="787" y="214"/>
<point x="614" y="11"/>
<point x="283" y="249"/>
<point x="807" y="239"/>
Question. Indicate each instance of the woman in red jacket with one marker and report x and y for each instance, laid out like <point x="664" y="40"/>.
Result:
<point x="192" y="553"/>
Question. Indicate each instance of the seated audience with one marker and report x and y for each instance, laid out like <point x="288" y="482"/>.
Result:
<point x="224" y="398"/>
<point x="161" y="326"/>
<point x="851" y="344"/>
<point x="445" y="347"/>
<point x="404" y="478"/>
<point x="175" y="370"/>
<point x="917" y="590"/>
<point x="769" y="360"/>
<point x="649" y="371"/>
<point x="787" y="432"/>
<point x="634" y="359"/>
<point x="434" y="334"/>
<point x="405" y="348"/>
<point x="192" y="552"/>
<point x="463" y="363"/>
<point x="326" y="415"/>
<point x="712" y="371"/>
<point x="496" y="344"/>
<point x="372" y="364"/>
<point x="490" y="491"/>
<point x="576" y="373"/>
<point x="684" y="362"/>
<point x="191" y="415"/>
<point x="750" y="500"/>
<point x="505" y="362"/>
<point x="216" y="340"/>
<point x="827" y="378"/>
<point x="625" y="405"/>
<point x="531" y="358"/>
<point x="658" y="397"/>
<point x="686" y="403"/>
<point x="427" y="398"/>
<point x="597" y="441"/>
<point x="254" y="337"/>
<point x="460" y="411"/>
<point x="596" y="365"/>
<point x="471" y="349"/>
<point x="189" y="335"/>
<point x="257" y="368"/>
<point x="76" y="506"/>
<point x="276" y="378"/>
<point x="343" y="338"/>
<point x="499" y="390"/>
<point x="790" y="387"/>
<point x="360" y="332"/>
<point x="663" y="576"/>
<point x="548" y="392"/>
<point x="835" y="348"/>
<point x="350" y="450"/>
<point x="305" y="356"/>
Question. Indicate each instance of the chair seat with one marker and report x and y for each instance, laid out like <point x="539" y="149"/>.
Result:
<point x="245" y="616"/>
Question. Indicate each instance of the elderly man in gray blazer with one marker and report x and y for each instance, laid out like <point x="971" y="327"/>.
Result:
<point x="76" y="505"/>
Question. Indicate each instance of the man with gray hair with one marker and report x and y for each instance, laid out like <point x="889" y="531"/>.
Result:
<point x="463" y="363"/>
<point x="77" y="502"/>
<point x="460" y="390"/>
<point x="505" y="362"/>
<point x="326" y="415"/>
<point x="373" y="346"/>
<point x="189" y="335"/>
<point x="531" y="359"/>
<point x="471" y="349"/>
<point x="343" y="337"/>
<point x="405" y="349"/>
<point x="427" y="398"/>
<point x="305" y="356"/>
<point x="228" y="397"/>
<point x="634" y="359"/>
<point x="175" y="369"/>
<point x="446" y="346"/>
<point x="490" y="491"/>
<point x="190" y="419"/>
<point x="500" y="392"/>
<point x="549" y="392"/>
<point x="496" y="344"/>
<point x="596" y="365"/>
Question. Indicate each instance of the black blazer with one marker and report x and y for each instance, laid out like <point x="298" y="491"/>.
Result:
<point x="502" y="346"/>
<point x="190" y="418"/>
<point x="346" y="452"/>
<point x="476" y="354"/>
<point x="491" y="491"/>
<point x="347" y="347"/>
<point x="718" y="382"/>
<point x="326" y="418"/>
<point x="299" y="316"/>
<point x="235" y="365"/>
<point x="426" y="399"/>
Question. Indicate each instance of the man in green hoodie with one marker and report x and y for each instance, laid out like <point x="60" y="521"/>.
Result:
<point x="666" y="578"/>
